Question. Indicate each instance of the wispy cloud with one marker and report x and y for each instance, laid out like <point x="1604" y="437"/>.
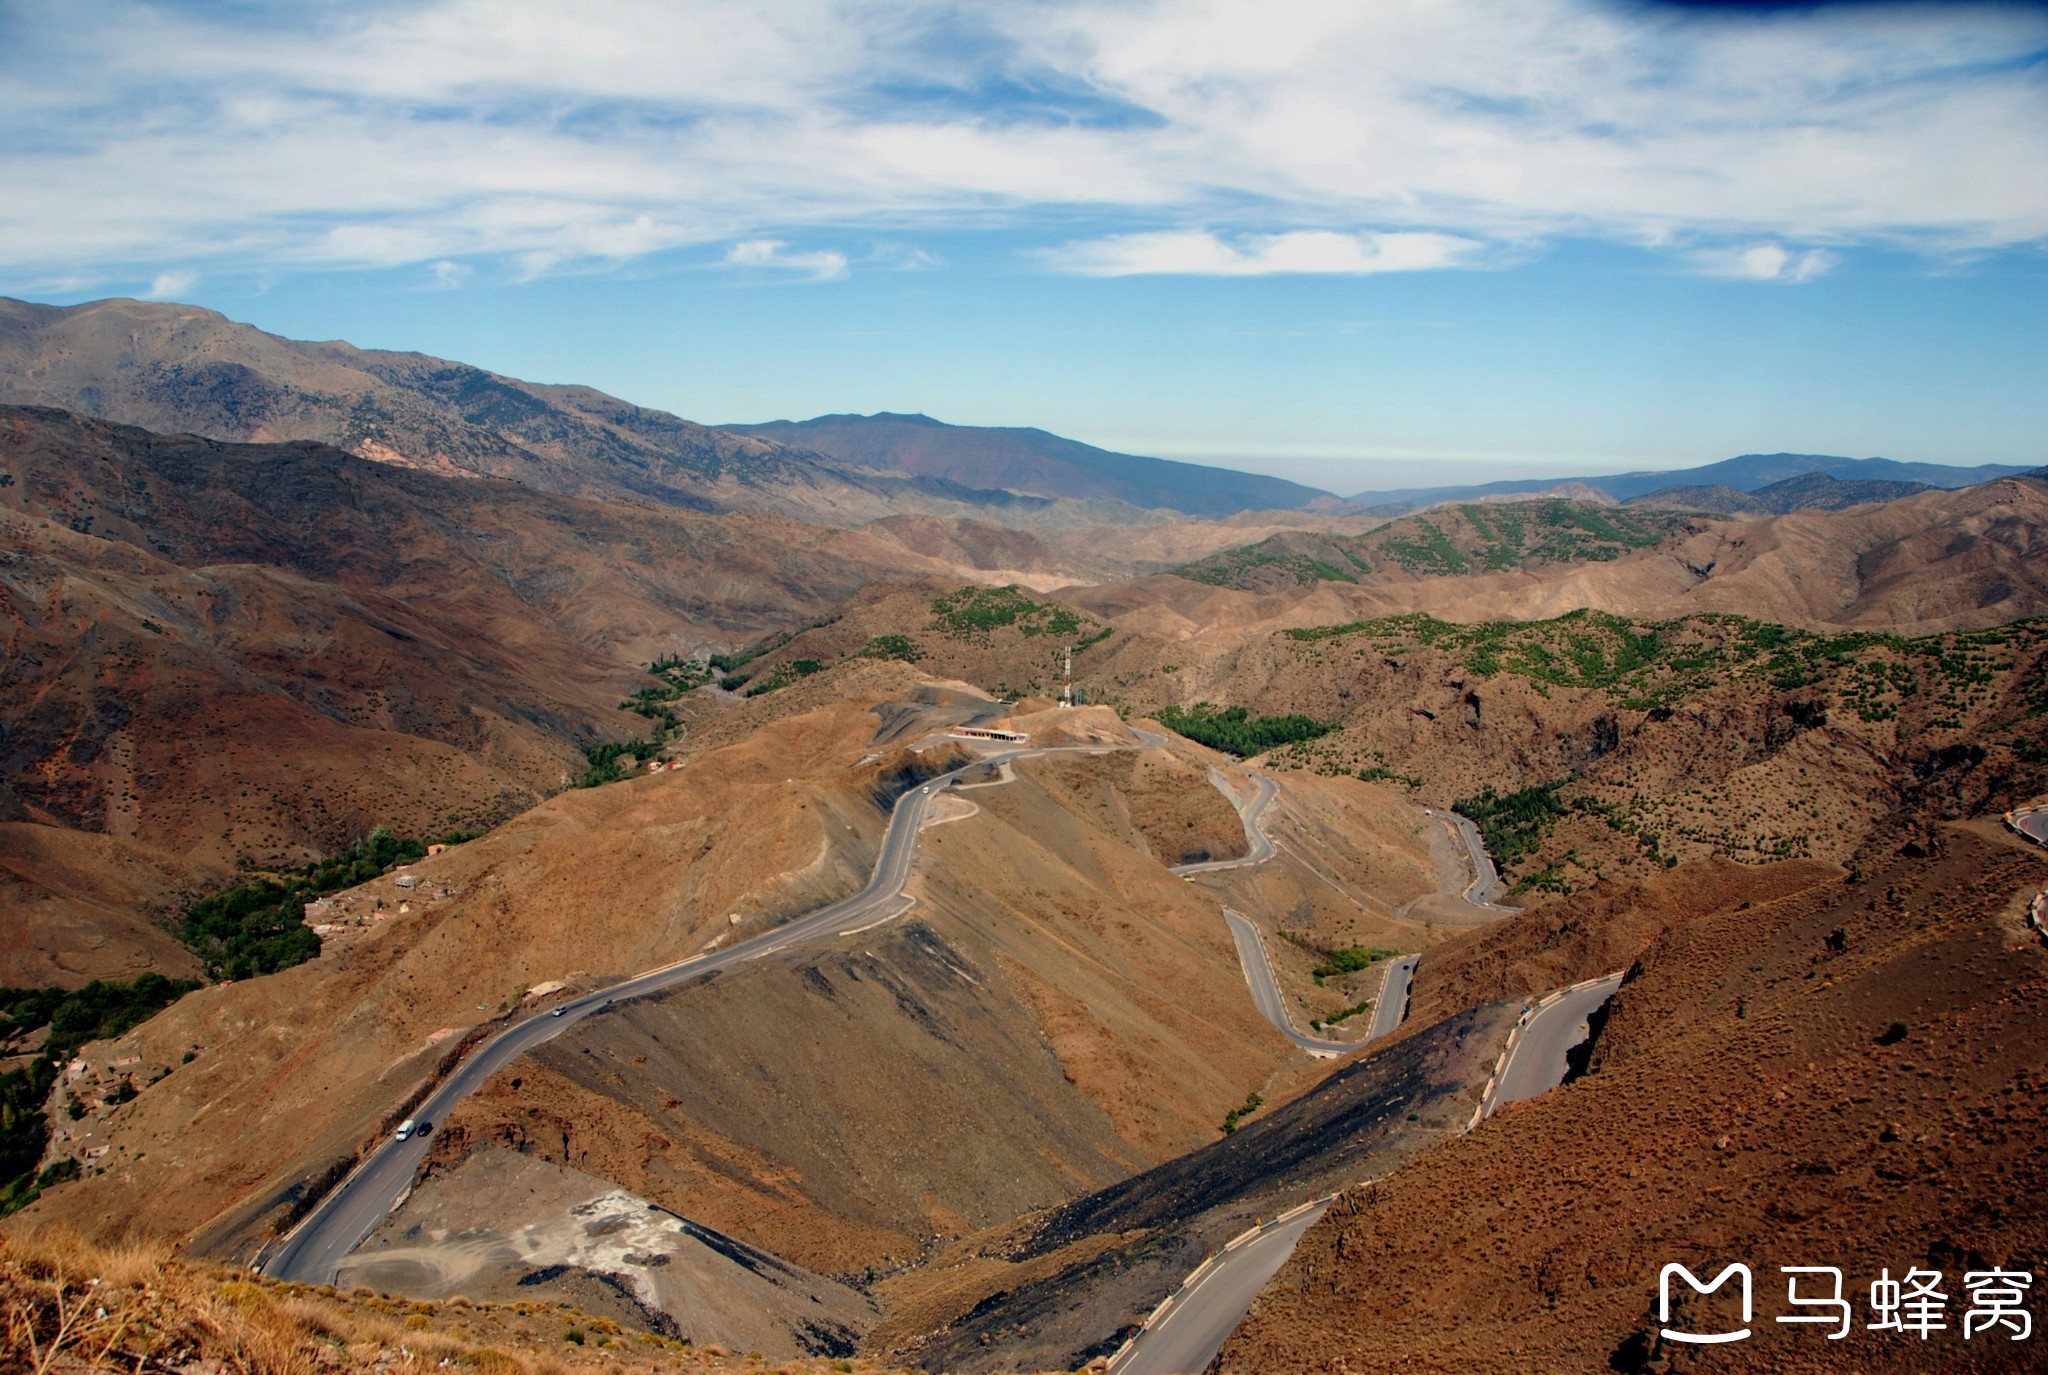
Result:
<point x="1200" y="253"/>
<point x="168" y="284"/>
<point x="1767" y="262"/>
<point x="559" y="135"/>
<point x="822" y="265"/>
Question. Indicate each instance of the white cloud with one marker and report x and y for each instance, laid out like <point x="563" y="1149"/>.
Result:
<point x="1767" y="262"/>
<point x="449" y="275"/>
<point x="558" y="135"/>
<point x="1200" y="253"/>
<point x="166" y="285"/>
<point x="824" y="265"/>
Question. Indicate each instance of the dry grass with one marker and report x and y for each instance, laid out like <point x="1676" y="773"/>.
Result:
<point x="71" y="1306"/>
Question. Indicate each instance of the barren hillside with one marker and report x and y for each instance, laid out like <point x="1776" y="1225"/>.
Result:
<point x="1939" y="560"/>
<point x="1846" y="1076"/>
<point x="258" y="652"/>
<point x="186" y="370"/>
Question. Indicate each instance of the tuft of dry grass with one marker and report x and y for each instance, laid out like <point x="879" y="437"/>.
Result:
<point x="70" y="1306"/>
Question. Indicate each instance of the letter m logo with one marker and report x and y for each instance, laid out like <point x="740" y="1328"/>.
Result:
<point x="1693" y="1282"/>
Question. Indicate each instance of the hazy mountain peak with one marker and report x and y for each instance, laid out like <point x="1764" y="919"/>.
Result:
<point x="1030" y="460"/>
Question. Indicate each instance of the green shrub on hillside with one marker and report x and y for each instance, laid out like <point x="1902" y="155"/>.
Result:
<point x="1235" y="731"/>
<point x="259" y="928"/>
<point x="677" y="676"/>
<point x="1650" y="664"/>
<point x="1349" y="959"/>
<point x="1513" y="824"/>
<point x="607" y="761"/>
<point x="1233" y="567"/>
<point x="892" y="647"/>
<point x="1430" y="553"/>
<point x="782" y="675"/>
<point x="95" y="1012"/>
<point x="975" y="611"/>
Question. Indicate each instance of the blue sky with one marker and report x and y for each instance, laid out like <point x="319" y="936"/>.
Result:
<point x="1361" y="246"/>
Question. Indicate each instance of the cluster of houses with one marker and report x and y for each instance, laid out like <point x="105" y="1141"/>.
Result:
<point x="90" y="1092"/>
<point x="345" y="916"/>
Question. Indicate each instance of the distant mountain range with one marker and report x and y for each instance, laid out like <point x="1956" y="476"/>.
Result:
<point x="180" y="369"/>
<point x="1747" y="473"/>
<point x="1807" y="492"/>
<point x="175" y="368"/>
<point x="1034" y="462"/>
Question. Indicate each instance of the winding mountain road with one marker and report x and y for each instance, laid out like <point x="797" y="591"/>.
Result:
<point x="1388" y="1008"/>
<point x="1185" y="1334"/>
<point x="313" y="1251"/>
<point x="1486" y="886"/>
<point x="1539" y="1057"/>
<point x="1260" y="848"/>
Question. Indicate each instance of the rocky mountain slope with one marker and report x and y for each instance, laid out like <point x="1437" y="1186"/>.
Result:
<point x="1451" y="541"/>
<point x="1808" y="492"/>
<point x="1032" y="461"/>
<point x="1056" y="996"/>
<point x="1934" y="561"/>
<point x="1746" y="473"/>
<point x="183" y="369"/>
<point x="1646" y="742"/>
<point x="1846" y="1076"/>
<point x="218" y="653"/>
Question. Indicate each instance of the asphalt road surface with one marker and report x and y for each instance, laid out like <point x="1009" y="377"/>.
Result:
<point x="1486" y="888"/>
<point x="2032" y="825"/>
<point x="1260" y="849"/>
<point x="1393" y="1001"/>
<point x="1258" y="973"/>
<point x="1536" y="1064"/>
<point x="1186" y="1336"/>
<point x="313" y="1252"/>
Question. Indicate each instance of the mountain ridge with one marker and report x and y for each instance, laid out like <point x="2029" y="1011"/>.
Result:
<point x="1743" y="473"/>
<point x="180" y="369"/>
<point x="1031" y="460"/>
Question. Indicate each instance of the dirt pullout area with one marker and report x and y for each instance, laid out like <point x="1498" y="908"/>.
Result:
<point x="1072" y="1284"/>
<point x="502" y="1227"/>
<point x="1055" y="1012"/>
<point x="939" y="706"/>
<point x="1850" y="1075"/>
<point x="294" y="1072"/>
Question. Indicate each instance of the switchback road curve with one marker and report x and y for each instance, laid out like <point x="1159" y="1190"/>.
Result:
<point x="1392" y="1002"/>
<point x="1184" y="1333"/>
<point x="312" y="1253"/>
